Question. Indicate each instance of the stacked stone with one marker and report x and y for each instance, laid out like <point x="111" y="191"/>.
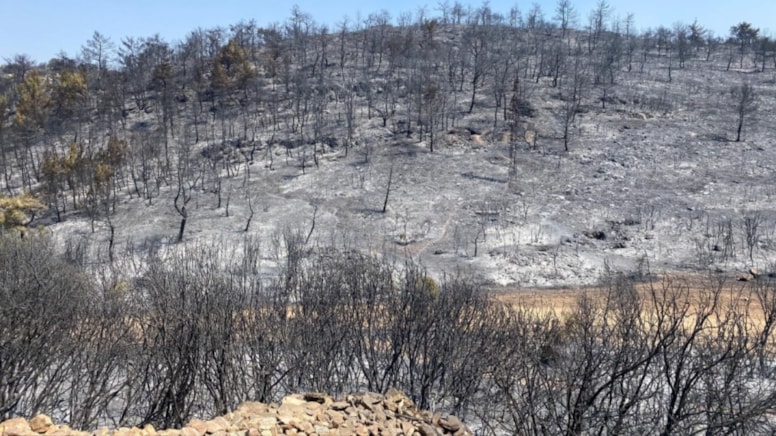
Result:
<point x="367" y="414"/>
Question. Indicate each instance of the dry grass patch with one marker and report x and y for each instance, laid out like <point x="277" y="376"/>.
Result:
<point x="720" y="297"/>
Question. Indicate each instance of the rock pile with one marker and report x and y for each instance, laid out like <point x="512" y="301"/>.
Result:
<point x="366" y="414"/>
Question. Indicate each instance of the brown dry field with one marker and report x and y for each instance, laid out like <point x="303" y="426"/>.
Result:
<point x="736" y="294"/>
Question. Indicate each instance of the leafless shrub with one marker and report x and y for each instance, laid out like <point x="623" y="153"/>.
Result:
<point x="42" y="300"/>
<point x="198" y="332"/>
<point x="718" y="242"/>
<point x="744" y="99"/>
<point x="648" y="360"/>
<point x="752" y="232"/>
<point x="648" y="216"/>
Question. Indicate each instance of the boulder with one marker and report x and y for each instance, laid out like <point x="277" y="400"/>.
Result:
<point x="41" y="423"/>
<point x="15" y="427"/>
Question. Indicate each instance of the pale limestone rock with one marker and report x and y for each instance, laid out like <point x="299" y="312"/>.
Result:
<point x="366" y="414"/>
<point x="15" y="427"/>
<point x="102" y="431"/>
<point x="199" y="425"/>
<point x="451" y="423"/>
<point x="340" y="405"/>
<point x="293" y="400"/>
<point x="40" y="423"/>
<point x="426" y="430"/>
<point x="191" y="431"/>
<point x="216" y="425"/>
<point x="267" y="423"/>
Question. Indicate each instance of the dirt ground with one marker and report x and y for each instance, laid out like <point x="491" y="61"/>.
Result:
<point x="741" y="296"/>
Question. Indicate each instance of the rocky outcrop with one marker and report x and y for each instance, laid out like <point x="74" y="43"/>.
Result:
<point x="366" y="414"/>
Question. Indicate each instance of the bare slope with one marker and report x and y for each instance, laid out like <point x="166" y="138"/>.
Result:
<point x="647" y="174"/>
<point x="660" y="185"/>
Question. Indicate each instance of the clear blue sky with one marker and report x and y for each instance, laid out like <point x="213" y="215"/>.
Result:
<point x="41" y="28"/>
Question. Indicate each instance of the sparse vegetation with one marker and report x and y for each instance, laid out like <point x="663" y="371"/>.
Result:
<point x="195" y="334"/>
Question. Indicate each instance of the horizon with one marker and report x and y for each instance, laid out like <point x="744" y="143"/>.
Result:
<point x="45" y="28"/>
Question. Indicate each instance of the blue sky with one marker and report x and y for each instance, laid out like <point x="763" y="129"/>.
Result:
<point x="41" y="28"/>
